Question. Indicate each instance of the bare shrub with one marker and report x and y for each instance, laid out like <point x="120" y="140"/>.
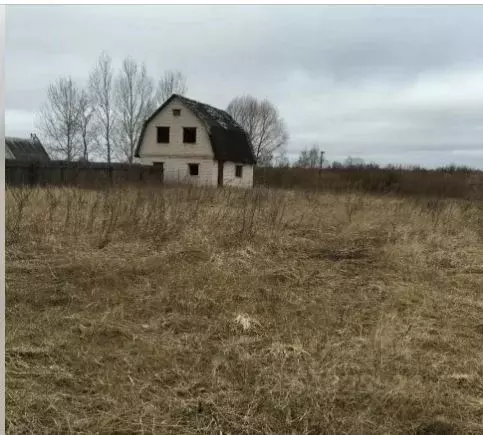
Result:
<point x="15" y="211"/>
<point x="370" y="179"/>
<point x="353" y="204"/>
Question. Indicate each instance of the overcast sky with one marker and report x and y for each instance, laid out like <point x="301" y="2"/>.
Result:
<point x="388" y="84"/>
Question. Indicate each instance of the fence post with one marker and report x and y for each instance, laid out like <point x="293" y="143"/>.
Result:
<point x="76" y="176"/>
<point x="32" y="174"/>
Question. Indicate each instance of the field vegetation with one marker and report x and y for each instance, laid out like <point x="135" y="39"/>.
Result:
<point x="184" y="310"/>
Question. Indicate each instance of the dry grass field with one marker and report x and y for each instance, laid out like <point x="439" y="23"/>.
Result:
<point x="184" y="310"/>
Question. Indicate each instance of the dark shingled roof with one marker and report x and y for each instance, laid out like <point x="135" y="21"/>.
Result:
<point x="228" y="139"/>
<point x="25" y="150"/>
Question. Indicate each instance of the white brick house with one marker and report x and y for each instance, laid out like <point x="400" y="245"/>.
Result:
<point x="196" y="143"/>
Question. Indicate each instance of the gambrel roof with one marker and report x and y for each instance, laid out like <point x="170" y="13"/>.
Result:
<point x="228" y="139"/>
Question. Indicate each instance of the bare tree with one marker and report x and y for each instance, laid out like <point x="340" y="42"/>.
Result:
<point x="102" y="93"/>
<point x="59" y="117"/>
<point x="262" y="122"/>
<point x="336" y="165"/>
<point x="353" y="161"/>
<point x="87" y="127"/>
<point x="172" y="82"/>
<point x="281" y="158"/>
<point x="311" y="158"/>
<point x="134" y="103"/>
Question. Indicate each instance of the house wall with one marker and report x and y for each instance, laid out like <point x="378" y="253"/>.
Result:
<point x="176" y="170"/>
<point x="151" y="149"/>
<point x="229" y="178"/>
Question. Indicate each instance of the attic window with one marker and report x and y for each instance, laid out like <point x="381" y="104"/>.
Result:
<point x="194" y="169"/>
<point x="162" y="134"/>
<point x="238" y="171"/>
<point x="189" y="134"/>
<point x="176" y="112"/>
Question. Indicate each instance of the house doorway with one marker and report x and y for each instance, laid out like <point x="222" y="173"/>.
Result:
<point x="159" y="169"/>
<point x="220" y="173"/>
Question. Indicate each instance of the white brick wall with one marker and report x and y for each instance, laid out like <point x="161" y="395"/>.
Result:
<point x="176" y="170"/>
<point x="229" y="178"/>
<point x="150" y="148"/>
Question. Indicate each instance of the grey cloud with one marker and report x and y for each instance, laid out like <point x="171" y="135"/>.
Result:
<point x="373" y="81"/>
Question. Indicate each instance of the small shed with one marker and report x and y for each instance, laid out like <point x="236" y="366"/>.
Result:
<point x="25" y="150"/>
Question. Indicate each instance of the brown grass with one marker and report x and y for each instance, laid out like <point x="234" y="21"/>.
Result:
<point x="184" y="310"/>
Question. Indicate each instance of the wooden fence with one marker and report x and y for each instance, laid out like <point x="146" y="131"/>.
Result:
<point x="82" y="174"/>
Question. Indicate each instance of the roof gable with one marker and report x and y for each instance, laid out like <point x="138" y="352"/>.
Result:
<point x="228" y="139"/>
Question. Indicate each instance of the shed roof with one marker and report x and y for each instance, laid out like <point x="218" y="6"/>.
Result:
<point x="25" y="149"/>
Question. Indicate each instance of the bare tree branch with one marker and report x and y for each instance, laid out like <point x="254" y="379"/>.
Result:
<point x="263" y="124"/>
<point x="134" y="103"/>
<point x="281" y="158"/>
<point x="87" y="127"/>
<point x="59" y="117"/>
<point x="172" y="82"/>
<point x="101" y="90"/>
